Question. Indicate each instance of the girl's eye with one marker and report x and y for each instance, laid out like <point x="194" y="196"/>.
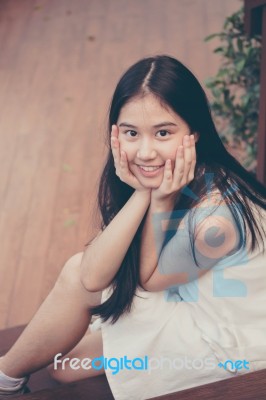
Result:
<point x="163" y="133"/>
<point x="131" y="133"/>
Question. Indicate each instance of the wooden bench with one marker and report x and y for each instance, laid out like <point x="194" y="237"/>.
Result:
<point x="43" y="387"/>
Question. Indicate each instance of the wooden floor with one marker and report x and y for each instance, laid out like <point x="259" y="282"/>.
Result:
<point x="59" y="63"/>
<point x="43" y="387"/>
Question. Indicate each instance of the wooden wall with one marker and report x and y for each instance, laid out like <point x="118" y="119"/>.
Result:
<point x="59" y="63"/>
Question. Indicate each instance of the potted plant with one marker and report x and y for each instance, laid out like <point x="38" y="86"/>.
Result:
<point x="235" y="90"/>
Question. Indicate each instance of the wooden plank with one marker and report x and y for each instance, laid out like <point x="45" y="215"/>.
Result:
<point x="243" y="387"/>
<point x="261" y="170"/>
<point x="89" y="389"/>
<point x="255" y="24"/>
<point x="255" y="3"/>
<point x="253" y="16"/>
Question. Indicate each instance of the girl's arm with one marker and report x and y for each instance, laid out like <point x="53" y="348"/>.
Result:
<point x="163" y="200"/>
<point x="102" y="259"/>
<point x="216" y="237"/>
<point x="104" y="256"/>
<point x="152" y="238"/>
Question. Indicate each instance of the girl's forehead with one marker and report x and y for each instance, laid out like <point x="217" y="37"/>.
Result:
<point x="147" y="108"/>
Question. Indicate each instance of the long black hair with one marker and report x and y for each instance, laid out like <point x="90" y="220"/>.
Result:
<point x="176" y="87"/>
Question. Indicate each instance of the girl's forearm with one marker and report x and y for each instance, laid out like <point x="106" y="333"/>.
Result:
<point x="102" y="259"/>
<point x="153" y="235"/>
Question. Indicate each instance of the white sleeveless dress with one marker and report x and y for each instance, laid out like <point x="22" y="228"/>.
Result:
<point x="211" y="328"/>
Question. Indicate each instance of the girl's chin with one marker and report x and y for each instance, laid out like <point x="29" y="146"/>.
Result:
<point x="151" y="183"/>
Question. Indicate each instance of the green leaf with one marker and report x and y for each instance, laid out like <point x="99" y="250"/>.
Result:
<point x="219" y="50"/>
<point x="222" y="72"/>
<point x="240" y="45"/>
<point x="209" y="37"/>
<point x="240" y="65"/>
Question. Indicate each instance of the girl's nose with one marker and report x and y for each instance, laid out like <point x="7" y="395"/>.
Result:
<point x="146" y="151"/>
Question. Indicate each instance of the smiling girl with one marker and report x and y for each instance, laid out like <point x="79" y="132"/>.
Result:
<point x="177" y="272"/>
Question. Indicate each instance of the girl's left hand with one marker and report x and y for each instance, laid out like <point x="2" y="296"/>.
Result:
<point x="173" y="182"/>
<point x="121" y="164"/>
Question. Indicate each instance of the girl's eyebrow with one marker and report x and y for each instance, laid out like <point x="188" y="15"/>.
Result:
<point x="162" y="124"/>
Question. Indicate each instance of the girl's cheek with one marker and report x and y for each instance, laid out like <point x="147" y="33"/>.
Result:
<point x="121" y="142"/>
<point x="127" y="150"/>
<point x="125" y="146"/>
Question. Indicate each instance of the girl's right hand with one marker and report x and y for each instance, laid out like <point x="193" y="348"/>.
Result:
<point x="121" y="164"/>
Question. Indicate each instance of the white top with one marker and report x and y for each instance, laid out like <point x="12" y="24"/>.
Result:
<point x="218" y="316"/>
<point x="228" y="303"/>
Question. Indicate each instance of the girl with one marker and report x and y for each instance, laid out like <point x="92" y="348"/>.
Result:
<point x="177" y="271"/>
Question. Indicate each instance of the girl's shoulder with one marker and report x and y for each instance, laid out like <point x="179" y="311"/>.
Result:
<point x="216" y="200"/>
<point x="230" y="213"/>
<point x="213" y="203"/>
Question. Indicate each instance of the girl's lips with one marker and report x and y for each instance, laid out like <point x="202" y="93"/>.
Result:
<point x="150" y="173"/>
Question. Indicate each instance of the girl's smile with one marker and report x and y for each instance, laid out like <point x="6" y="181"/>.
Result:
<point x="150" y="171"/>
<point x="150" y="133"/>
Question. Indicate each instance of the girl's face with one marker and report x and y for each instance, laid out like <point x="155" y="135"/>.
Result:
<point x="150" y="134"/>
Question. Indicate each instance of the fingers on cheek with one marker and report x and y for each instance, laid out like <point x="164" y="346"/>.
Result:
<point x="121" y="145"/>
<point x="168" y="169"/>
<point x="123" y="159"/>
<point x="112" y="143"/>
<point x="190" y="174"/>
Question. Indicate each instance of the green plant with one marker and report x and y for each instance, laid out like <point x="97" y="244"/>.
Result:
<point x="235" y="89"/>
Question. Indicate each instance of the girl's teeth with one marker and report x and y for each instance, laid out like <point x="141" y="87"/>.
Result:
<point x="149" y="168"/>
